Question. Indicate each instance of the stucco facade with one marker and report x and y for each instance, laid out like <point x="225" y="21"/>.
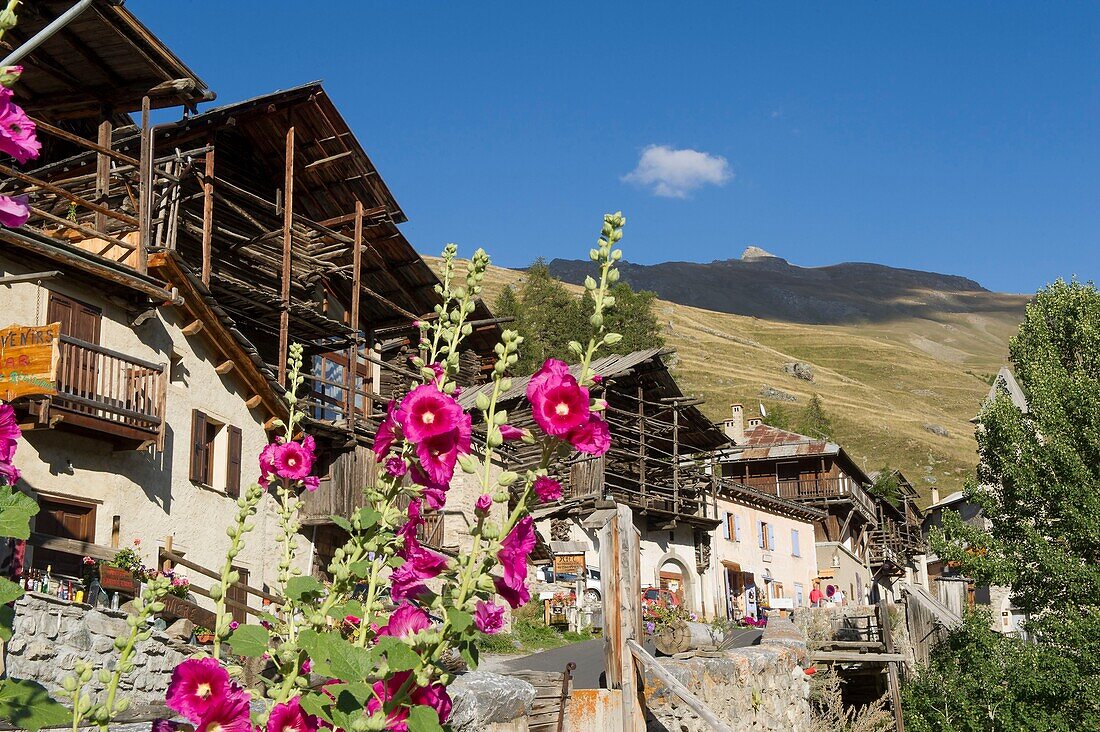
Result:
<point x="761" y="559"/>
<point x="149" y="490"/>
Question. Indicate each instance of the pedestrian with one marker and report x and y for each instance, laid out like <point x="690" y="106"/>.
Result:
<point x="816" y="596"/>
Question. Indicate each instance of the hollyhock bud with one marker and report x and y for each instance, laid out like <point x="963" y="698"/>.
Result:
<point x="483" y="504"/>
<point x="395" y="467"/>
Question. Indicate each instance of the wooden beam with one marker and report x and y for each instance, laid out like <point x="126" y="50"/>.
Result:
<point x="352" y="368"/>
<point x="207" y="213"/>
<point x="145" y="189"/>
<point x="288" y="223"/>
<point x="892" y="681"/>
<point x="654" y="667"/>
<point x="224" y="367"/>
<point x="103" y="172"/>
<point x="71" y="546"/>
<point x="192" y="328"/>
<point x="853" y="657"/>
<point x="329" y="159"/>
<point x="20" y="176"/>
<point x="253" y="401"/>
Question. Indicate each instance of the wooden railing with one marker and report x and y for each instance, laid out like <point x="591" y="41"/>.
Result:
<point x="819" y="489"/>
<point x="111" y="386"/>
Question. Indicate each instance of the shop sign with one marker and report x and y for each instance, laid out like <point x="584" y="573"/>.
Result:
<point x="569" y="564"/>
<point x="28" y="360"/>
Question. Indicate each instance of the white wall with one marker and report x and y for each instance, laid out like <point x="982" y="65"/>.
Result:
<point x="150" y="490"/>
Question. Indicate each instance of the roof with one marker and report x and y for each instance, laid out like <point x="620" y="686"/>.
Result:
<point x="764" y="442"/>
<point x="1006" y="382"/>
<point x="955" y="497"/>
<point x="104" y="58"/>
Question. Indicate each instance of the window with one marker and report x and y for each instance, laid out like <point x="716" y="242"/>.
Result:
<point x="786" y="471"/>
<point x="794" y="544"/>
<point x="737" y="528"/>
<point x="766" y="535"/>
<point x="798" y="597"/>
<point x="727" y="531"/>
<point x="215" y="454"/>
<point x="63" y="520"/>
<point x="775" y="590"/>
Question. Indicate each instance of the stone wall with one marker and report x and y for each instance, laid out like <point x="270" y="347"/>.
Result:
<point x="756" y="688"/>
<point x="50" y="635"/>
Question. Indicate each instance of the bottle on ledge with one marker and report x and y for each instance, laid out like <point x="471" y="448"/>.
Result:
<point x="47" y="580"/>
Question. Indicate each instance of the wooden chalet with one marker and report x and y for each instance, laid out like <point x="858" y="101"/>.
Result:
<point x="899" y="536"/>
<point x="263" y="223"/>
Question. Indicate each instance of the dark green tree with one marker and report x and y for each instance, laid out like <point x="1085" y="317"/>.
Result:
<point x="780" y="417"/>
<point x="886" y="485"/>
<point x="813" y="422"/>
<point x="631" y="316"/>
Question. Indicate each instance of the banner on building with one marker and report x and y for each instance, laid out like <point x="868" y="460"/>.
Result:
<point x="29" y="355"/>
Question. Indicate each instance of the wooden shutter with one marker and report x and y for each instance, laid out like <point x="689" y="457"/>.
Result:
<point x="726" y="526"/>
<point x="794" y="543"/>
<point x="198" y="448"/>
<point x="238" y="593"/>
<point x="737" y="528"/>
<point x="761" y="536"/>
<point x="771" y="537"/>
<point x="233" y="468"/>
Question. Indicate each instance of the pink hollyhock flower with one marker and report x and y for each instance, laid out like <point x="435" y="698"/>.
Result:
<point x="483" y="504"/>
<point x="395" y="467"/>
<point x="267" y="462"/>
<point x="509" y="433"/>
<point x="10" y="473"/>
<point x="9" y="432"/>
<point x="290" y="717"/>
<point x="14" y="211"/>
<point x="164" y="725"/>
<point x="226" y="714"/>
<point x="489" y="617"/>
<point x="596" y="378"/>
<point x="406" y="620"/>
<point x="307" y="666"/>
<point x="311" y="483"/>
<point x="420" y="565"/>
<point x="438" y="370"/>
<point x="383" y="692"/>
<point x="233" y="625"/>
<point x="592" y="437"/>
<point x="436" y="697"/>
<point x="293" y="460"/>
<point x="352" y="620"/>
<point x="197" y="685"/>
<point x="428" y="412"/>
<point x="558" y="402"/>
<point x="408" y="530"/>
<point x="513" y="554"/>
<point x="547" y="489"/>
<point x="388" y="431"/>
<point x="17" y="134"/>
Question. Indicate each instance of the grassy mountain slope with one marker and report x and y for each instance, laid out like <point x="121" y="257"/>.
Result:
<point x="900" y="390"/>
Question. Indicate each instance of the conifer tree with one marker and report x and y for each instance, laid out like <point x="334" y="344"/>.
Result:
<point x="813" y="422"/>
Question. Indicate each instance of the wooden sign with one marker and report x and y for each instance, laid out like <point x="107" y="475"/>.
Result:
<point x="117" y="579"/>
<point x="179" y="608"/>
<point x="569" y="564"/>
<point x="28" y="360"/>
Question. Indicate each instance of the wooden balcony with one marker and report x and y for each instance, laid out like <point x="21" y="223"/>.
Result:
<point x="105" y="393"/>
<point x="895" y="543"/>
<point x="821" y="490"/>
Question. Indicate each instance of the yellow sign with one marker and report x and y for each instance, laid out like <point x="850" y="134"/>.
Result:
<point x="569" y="564"/>
<point x="28" y="360"/>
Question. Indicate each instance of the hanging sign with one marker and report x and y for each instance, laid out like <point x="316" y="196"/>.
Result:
<point x="28" y="360"/>
<point x="569" y="564"/>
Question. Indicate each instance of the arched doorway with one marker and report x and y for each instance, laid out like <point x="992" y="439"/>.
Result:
<point x="673" y="575"/>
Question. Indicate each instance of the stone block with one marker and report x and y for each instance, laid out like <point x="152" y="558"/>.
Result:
<point x="481" y="698"/>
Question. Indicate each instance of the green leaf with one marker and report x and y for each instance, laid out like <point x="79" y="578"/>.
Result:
<point x="250" y="640"/>
<point x="9" y="591"/>
<point x="360" y="568"/>
<point x="16" y="511"/>
<point x="399" y="656"/>
<point x="299" y="587"/>
<point x="7" y="621"/>
<point x="351" y="607"/>
<point x="469" y="654"/>
<point x="460" y="620"/>
<point x="342" y="522"/>
<point x="423" y="719"/>
<point x="368" y="517"/>
<point x="26" y="704"/>
<point x="334" y="656"/>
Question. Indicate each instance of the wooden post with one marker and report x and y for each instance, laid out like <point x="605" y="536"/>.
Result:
<point x="356" y="280"/>
<point x="167" y="565"/>
<point x="891" y="667"/>
<point x="620" y="560"/>
<point x="116" y="522"/>
<point x="641" y="442"/>
<point x="676" y="458"/>
<point x="145" y="190"/>
<point x="207" y="211"/>
<point x="103" y="170"/>
<point x="288" y="220"/>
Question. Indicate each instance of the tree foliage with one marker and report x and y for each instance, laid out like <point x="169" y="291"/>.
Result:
<point x="781" y="417"/>
<point x="1038" y="489"/>
<point x="548" y="316"/>
<point x="979" y="680"/>
<point x="886" y="485"/>
<point x="813" y="421"/>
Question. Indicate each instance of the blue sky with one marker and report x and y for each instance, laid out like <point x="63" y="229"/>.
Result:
<point x="953" y="137"/>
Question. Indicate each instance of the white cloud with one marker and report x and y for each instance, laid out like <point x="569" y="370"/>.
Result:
<point x="676" y="173"/>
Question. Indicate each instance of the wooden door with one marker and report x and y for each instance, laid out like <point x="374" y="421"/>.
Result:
<point x="64" y="521"/>
<point x="78" y="372"/>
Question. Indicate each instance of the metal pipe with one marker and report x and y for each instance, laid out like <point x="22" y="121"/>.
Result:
<point x="46" y="33"/>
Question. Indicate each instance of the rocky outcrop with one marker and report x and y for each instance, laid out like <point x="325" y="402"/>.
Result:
<point x="799" y="370"/>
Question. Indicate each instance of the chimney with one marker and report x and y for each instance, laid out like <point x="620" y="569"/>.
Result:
<point x="734" y="427"/>
<point x="755" y="422"/>
<point x="935" y="495"/>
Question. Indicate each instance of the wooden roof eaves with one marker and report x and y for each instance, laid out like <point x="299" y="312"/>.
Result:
<point x="216" y="331"/>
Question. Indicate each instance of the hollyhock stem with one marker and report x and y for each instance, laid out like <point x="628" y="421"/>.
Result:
<point x="607" y="256"/>
<point x="246" y="507"/>
<point x="147" y="605"/>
